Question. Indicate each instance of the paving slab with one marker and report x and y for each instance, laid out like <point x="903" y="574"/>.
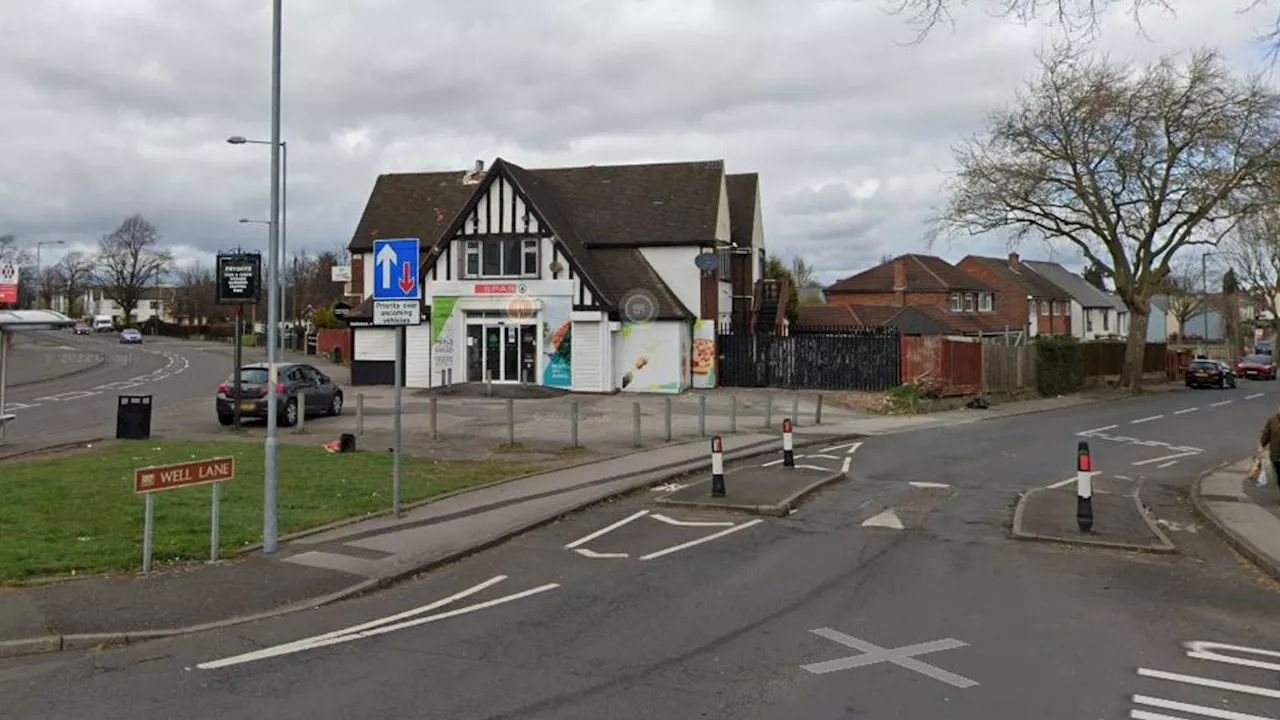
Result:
<point x="1246" y="516"/>
<point x="1120" y="521"/>
<point x="758" y="490"/>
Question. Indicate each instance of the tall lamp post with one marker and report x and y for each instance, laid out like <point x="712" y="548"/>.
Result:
<point x="39" y="278"/>
<point x="284" y="203"/>
<point x="270" y="474"/>
<point x="1204" y="281"/>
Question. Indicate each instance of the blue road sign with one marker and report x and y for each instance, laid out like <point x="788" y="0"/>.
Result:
<point x="395" y="270"/>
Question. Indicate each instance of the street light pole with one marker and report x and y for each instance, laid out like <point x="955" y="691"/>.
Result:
<point x="39" y="279"/>
<point x="271" y="477"/>
<point x="1204" y="281"/>
<point x="284" y="202"/>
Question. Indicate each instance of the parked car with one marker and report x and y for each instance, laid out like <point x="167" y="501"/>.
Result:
<point x="1210" y="373"/>
<point x="1256" y="367"/>
<point x="130" y="337"/>
<point x="81" y="328"/>
<point x="321" y="393"/>
<point x="1262" y="348"/>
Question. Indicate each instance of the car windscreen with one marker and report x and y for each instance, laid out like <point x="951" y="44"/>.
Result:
<point x="1257" y="360"/>
<point x="1204" y="365"/>
<point x="252" y="376"/>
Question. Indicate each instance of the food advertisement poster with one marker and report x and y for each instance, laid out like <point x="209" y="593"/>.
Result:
<point x="557" y="342"/>
<point x="444" y="334"/>
<point x="648" y="357"/>
<point x="703" y="359"/>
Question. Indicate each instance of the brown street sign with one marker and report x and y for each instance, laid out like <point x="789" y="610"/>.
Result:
<point x="168" y="477"/>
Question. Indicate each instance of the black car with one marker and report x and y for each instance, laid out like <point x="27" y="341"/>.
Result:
<point x="323" y="396"/>
<point x="1210" y="373"/>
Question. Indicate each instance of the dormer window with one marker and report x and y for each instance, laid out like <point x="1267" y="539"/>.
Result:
<point x="986" y="302"/>
<point x="956" y="302"/>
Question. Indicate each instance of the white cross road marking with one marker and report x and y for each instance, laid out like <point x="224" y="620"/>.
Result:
<point x="1184" y="411"/>
<point x="699" y="541"/>
<point x="1255" y="395"/>
<point x="1139" y="421"/>
<point x="903" y="657"/>
<point x="688" y="523"/>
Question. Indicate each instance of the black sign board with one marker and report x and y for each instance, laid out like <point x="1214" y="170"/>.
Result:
<point x="239" y="278"/>
<point x="342" y="311"/>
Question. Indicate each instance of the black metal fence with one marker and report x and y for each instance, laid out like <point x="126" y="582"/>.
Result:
<point x="845" y="359"/>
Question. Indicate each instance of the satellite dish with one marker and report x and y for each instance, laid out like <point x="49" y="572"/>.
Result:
<point x="706" y="261"/>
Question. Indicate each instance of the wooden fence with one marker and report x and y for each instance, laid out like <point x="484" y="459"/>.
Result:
<point x="851" y="359"/>
<point x="1008" y="368"/>
<point x="1102" y="358"/>
<point x="953" y="367"/>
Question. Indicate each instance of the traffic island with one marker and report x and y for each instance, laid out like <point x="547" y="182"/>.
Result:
<point x="774" y="490"/>
<point x="1119" y="521"/>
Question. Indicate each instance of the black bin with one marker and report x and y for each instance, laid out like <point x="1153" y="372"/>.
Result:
<point x="133" y="417"/>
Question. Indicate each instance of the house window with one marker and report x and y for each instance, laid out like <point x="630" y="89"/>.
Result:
<point x="1106" y="321"/>
<point x="1088" y="320"/>
<point x="508" y="257"/>
<point x="970" y="301"/>
<point x="955" y="302"/>
<point x="986" y="302"/>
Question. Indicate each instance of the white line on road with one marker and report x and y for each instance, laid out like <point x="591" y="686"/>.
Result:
<point x="1098" y="430"/>
<point x="1125" y="477"/>
<point x="1187" y="708"/>
<point x="1068" y="481"/>
<point x="688" y="523"/>
<point x="853" y="448"/>
<point x="699" y="541"/>
<point x="821" y="456"/>
<point x="887" y="519"/>
<point x="928" y="485"/>
<point x="1166" y="458"/>
<point x="841" y="447"/>
<point x="1255" y="395"/>
<point x="587" y="552"/>
<point x="1171" y="463"/>
<point x="1208" y="682"/>
<point x="1220" y="404"/>
<point x="604" y="530"/>
<point x="848" y="462"/>
<point x="1139" y="421"/>
<point x="819" y="468"/>
<point x="1184" y="411"/>
<point x="348" y="636"/>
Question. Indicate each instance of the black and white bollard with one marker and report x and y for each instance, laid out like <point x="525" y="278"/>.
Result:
<point x="788" y="445"/>
<point x="1084" y="488"/>
<point x="717" y="467"/>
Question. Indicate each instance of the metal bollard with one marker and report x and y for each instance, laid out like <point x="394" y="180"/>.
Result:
<point x="768" y="411"/>
<point x="511" y="421"/>
<point x="635" y="425"/>
<point x="717" y="467"/>
<point x="1084" y="488"/>
<point x="702" y="416"/>
<point x="435" y="418"/>
<point x="788" y="445"/>
<point x="360" y="414"/>
<point x="817" y="414"/>
<point x="667" y="418"/>
<point x="573" y="424"/>
<point x="733" y="413"/>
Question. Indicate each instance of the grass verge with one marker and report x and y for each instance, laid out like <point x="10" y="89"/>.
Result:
<point x="77" y="513"/>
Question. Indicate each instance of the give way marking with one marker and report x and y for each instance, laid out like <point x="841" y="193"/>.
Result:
<point x="729" y="529"/>
<point x="1237" y="655"/>
<point x="381" y="626"/>
<point x="903" y="657"/>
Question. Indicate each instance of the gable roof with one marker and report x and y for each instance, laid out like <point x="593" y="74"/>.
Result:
<point x="743" y="189"/>
<point x="908" y="319"/>
<point x="1027" y="280"/>
<point x="925" y="273"/>
<point x="420" y="205"/>
<point x="1077" y="287"/>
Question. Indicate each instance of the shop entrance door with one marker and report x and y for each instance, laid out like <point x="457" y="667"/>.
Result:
<point x="502" y="352"/>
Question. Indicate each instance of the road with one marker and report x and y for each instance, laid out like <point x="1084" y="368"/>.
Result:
<point x="893" y="594"/>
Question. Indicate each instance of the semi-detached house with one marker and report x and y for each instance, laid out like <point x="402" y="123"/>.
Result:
<point x="593" y="279"/>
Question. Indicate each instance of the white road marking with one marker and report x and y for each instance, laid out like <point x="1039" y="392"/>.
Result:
<point x="1176" y="526"/>
<point x="348" y="635"/>
<point x="1139" y="421"/>
<point x="771" y="463"/>
<point x="1068" y="481"/>
<point x="842" y="447"/>
<point x="1209" y="682"/>
<point x="903" y="657"/>
<point x="1204" y="650"/>
<point x="15" y="406"/>
<point x="853" y="448"/>
<point x="602" y="531"/>
<point x="688" y="523"/>
<point x="1187" y="708"/>
<point x="1255" y="395"/>
<point x="1166" y="458"/>
<point x="1220" y="404"/>
<point x="815" y="467"/>
<point x="887" y="519"/>
<point x="928" y="485"/>
<point x="587" y="552"/>
<point x="667" y="488"/>
<point x="1184" y="411"/>
<point x="848" y="462"/>
<point x="1125" y="477"/>
<point x="821" y="456"/>
<point x="1171" y="463"/>
<point x="699" y="541"/>
<point x="1098" y="430"/>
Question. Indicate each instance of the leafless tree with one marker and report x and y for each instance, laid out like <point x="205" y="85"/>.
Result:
<point x="1254" y="252"/>
<point x="1129" y="165"/>
<point x="310" y="281"/>
<point x="129" y="262"/>
<point x="1186" y="300"/>
<point x="195" y="294"/>
<point x="75" y="272"/>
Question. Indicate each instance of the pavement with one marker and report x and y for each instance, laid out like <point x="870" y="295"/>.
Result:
<point x="1246" y="515"/>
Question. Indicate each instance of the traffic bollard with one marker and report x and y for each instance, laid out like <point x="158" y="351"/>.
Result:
<point x="667" y="418"/>
<point x="768" y="411"/>
<point x="788" y="446"/>
<point x="1084" y="488"/>
<point x="435" y="415"/>
<point x="733" y="413"/>
<point x="636" y="440"/>
<point x="702" y="416"/>
<point x="360" y="414"/>
<point x="717" y="467"/>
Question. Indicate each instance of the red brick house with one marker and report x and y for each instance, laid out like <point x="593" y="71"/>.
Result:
<point x="1024" y="300"/>
<point x="929" y="284"/>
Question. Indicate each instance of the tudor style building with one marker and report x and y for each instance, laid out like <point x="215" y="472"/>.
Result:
<point x="585" y="278"/>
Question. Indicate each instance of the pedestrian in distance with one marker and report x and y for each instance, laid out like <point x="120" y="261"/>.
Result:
<point x="1266" y="464"/>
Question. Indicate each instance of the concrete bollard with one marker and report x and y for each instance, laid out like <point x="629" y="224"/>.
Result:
<point x="702" y="416"/>
<point x="360" y="414"/>
<point x="717" y="467"/>
<point x="817" y="414"/>
<point x="667" y="418"/>
<point x="788" y="445"/>
<point x="635" y="425"/>
<point x="573" y="424"/>
<point x="1084" y="488"/>
<point x="733" y="413"/>
<point x="511" y="421"/>
<point x="795" y="409"/>
<point x="435" y="417"/>
<point x="768" y="411"/>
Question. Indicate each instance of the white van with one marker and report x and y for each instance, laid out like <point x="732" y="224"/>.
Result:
<point x="103" y="323"/>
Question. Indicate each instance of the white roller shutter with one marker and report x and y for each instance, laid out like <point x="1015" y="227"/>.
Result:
<point x="375" y="344"/>
<point x="417" y="356"/>
<point x="587" y="361"/>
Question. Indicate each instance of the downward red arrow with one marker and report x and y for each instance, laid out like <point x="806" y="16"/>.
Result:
<point x="407" y="280"/>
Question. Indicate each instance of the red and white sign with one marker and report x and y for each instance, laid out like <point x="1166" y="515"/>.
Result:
<point x="8" y="283"/>
<point x="168" y="477"/>
<point x="495" y="289"/>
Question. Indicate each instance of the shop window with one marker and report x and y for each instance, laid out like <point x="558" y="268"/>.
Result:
<point x="501" y="258"/>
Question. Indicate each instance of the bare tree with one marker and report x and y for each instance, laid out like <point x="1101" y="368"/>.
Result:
<point x="1254" y="252"/>
<point x="1130" y="165"/>
<point x="130" y="261"/>
<point x="195" y="296"/>
<point x="75" y="272"/>
<point x="1185" y="297"/>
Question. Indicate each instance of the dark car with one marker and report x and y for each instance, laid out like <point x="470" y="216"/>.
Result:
<point x="323" y="396"/>
<point x="1210" y="373"/>
<point x="81" y="328"/>
<point x="1263" y="348"/>
<point x="1256" y="367"/>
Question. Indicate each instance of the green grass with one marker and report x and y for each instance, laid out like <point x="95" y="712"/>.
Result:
<point x="78" y="513"/>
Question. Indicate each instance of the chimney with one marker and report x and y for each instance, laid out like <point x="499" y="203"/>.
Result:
<point x="899" y="282"/>
<point x="1015" y="262"/>
<point x="479" y="167"/>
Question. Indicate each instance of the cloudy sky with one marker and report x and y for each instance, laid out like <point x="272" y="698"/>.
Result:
<point x="121" y="106"/>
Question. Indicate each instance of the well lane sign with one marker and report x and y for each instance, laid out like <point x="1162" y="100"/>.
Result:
<point x="168" y="477"/>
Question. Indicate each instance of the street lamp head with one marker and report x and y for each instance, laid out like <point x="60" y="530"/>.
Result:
<point x="245" y="220"/>
<point x="237" y="140"/>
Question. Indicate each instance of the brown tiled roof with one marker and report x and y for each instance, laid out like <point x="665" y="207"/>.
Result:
<point x="908" y="320"/>
<point x="966" y="323"/>
<point x="925" y="273"/>
<point x="743" y="190"/>
<point x="420" y="205"/>
<point x="1030" y="281"/>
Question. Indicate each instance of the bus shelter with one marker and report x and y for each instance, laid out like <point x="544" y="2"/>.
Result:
<point x="12" y="321"/>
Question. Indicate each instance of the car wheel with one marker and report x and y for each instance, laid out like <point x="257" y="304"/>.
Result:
<point x="290" y="413"/>
<point x="335" y="407"/>
<point x="224" y="420"/>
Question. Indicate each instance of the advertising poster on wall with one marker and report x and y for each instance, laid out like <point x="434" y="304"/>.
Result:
<point x="648" y="356"/>
<point x="444" y="334"/>
<point x="557" y="342"/>
<point x="703" y="359"/>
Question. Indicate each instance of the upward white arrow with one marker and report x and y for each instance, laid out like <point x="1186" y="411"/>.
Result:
<point x="386" y="260"/>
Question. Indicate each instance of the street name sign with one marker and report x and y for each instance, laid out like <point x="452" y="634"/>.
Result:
<point x="169" y="477"/>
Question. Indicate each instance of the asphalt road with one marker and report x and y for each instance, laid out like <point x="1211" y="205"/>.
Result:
<point x="660" y="618"/>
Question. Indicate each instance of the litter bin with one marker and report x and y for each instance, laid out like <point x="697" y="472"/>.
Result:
<point x="133" y="417"/>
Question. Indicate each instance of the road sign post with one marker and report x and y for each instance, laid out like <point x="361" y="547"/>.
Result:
<point x="397" y="303"/>
<point x="148" y="481"/>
